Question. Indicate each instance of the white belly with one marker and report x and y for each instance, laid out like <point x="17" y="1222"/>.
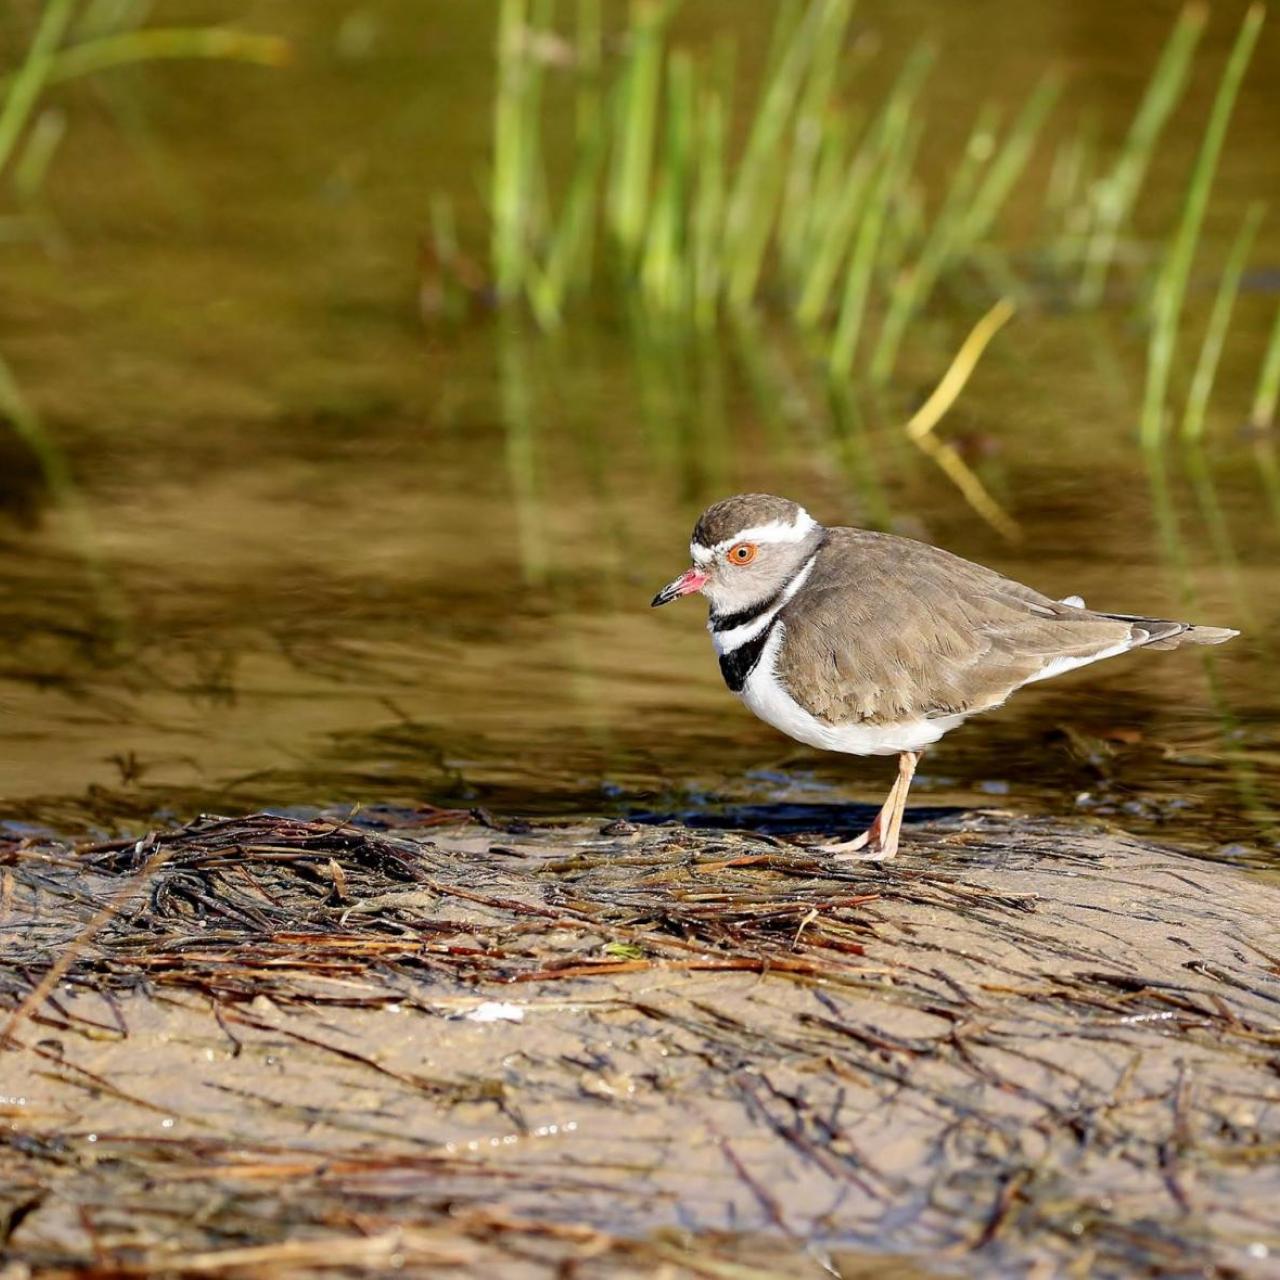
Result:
<point x="764" y="695"/>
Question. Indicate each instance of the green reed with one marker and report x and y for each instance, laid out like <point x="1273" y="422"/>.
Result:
<point x="24" y="87"/>
<point x="59" y="52"/>
<point x="1114" y="195"/>
<point x="513" y="148"/>
<point x="839" y="222"/>
<point x="707" y="215"/>
<point x="1011" y="160"/>
<point x="942" y="240"/>
<point x="808" y="134"/>
<point x="1263" y="415"/>
<point x="1171" y="285"/>
<point x="892" y="161"/>
<point x="819" y="206"/>
<point x="664" y="275"/>
<point x="635" y="121"/>
<point x="804" y="200"/>
<point x="1215" y="334"/>
<point x="754" y="192"/>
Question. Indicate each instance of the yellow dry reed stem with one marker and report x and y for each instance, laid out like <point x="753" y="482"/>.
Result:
<point x="960" y="371"/>
<point x="921" y="424"/>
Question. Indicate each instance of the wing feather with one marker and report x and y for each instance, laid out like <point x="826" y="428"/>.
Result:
<point x="890" y="630"/>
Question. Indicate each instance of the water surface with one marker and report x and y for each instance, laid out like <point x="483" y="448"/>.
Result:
<point x="340" y="554"/>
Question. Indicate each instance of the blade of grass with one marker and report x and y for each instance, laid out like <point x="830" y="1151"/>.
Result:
<point x="958" y="373"/>
<point x="1171" y="286"/>
<point x="23" y="90"/>
<point x="155" y="44"/>
<point x="905" y="225"/>
<point x="508" y="196"/>
<point x="787" y="17"/>
<point x="708" y="207"/>
<point x="570" y="249"/>
<point x="1215" y="334"/>
<point x="589" y="52"/>
<point x="839" y="128"/>
<point x="1062" y="195"/>
<point x="895" y="157"/>
<point x="908" y="222"/>
<point x="841" y="187"/>
<point x="808" y="133"/>
<point x="1069" y="214"/>
<point x="664" y="269"/>
<point x="43" y="140"/>
<point x="845" y="215"/>
<point x="1263" y="415"/>
<point x="636" y="123"/>
<point x="1011" y="159"/>
<point x="919" y="429"/>
<point x="913" y="286"/>
<point x="1114" y="196"/>
<point x="753" y="199"/>
<point x="569" y="254"/>
<point x="588" y="55"/>
<point x="541" y="34"/>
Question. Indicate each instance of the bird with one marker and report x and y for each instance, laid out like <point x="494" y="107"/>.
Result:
<point x="866" y="643"/>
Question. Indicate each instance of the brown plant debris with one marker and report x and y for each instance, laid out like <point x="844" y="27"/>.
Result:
<point x="266" y="1045"/>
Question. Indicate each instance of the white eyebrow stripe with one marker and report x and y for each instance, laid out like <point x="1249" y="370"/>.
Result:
<point x="774" y="531"/>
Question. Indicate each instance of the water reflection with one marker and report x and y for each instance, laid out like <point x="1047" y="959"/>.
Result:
<point x="369" y="563"/>
<point x="460" y="617"/>
<point x="1259" y="810"/>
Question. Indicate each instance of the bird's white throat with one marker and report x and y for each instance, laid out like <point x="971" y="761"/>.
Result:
<point x="735" y="637"/>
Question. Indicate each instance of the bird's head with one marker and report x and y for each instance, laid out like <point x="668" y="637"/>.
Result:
<point x="744" y="550"/>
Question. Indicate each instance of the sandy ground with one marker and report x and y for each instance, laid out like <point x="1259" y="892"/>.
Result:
<point x="429" y="1044"/>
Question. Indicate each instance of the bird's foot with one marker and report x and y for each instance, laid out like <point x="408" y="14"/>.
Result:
<point x="868" y="847"/>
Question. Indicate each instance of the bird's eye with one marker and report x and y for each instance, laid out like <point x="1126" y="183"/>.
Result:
<point x="742" y="553"/>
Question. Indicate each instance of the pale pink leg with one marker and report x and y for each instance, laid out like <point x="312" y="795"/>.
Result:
<point x="907" y="762"/>
<point x="879" y="842"/>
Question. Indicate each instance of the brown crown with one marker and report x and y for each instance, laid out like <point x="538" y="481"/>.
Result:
<point x="743" y="511"/>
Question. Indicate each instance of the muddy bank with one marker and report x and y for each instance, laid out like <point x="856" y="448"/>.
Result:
<point x="429" y="1042"/>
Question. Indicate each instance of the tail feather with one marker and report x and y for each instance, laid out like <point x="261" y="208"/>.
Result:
<point x="1161" y="633"/>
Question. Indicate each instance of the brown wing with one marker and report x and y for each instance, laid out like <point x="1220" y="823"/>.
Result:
<point x="887" y="630"/>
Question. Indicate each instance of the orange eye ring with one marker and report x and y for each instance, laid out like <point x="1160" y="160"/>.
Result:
<point x="741" y="553"/>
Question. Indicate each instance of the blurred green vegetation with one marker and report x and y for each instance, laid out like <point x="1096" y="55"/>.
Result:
<point x="808" y="201"/>
<point x="72" y="39"/>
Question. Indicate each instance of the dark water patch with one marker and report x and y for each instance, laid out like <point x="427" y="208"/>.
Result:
<point x="790" y="819"/>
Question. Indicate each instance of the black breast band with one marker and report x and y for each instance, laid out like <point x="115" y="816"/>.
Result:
<point x="727" y="621"/>
<point x="739" y="663"/>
